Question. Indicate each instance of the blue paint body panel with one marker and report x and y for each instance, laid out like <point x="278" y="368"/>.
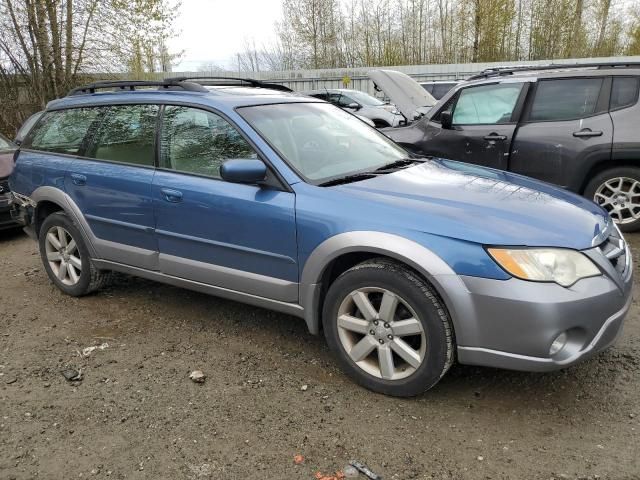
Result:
<point x="453" y="209"/>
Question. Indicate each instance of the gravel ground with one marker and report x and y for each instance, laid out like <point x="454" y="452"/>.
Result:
<point x="136" y="414"/>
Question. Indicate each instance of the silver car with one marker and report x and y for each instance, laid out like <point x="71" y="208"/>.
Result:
<point x="362" y="104"/>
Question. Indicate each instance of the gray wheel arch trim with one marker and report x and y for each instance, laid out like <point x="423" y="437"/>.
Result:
<point x="57" y="196"/>
<point x="418" y="257"/>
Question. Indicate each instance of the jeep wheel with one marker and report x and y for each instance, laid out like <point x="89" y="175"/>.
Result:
<point x="389" y="328"/>
<point x="618" y="191"/>
<point x="66" y="258"/>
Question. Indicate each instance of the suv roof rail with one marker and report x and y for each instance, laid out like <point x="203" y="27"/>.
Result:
<point x="212" y="81"/>
<point x="131" y="85"/>
<point x="510" y="70"/>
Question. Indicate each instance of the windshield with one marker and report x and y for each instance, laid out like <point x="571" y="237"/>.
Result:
<point x="364" y="98"/>
<point x="320" y="141"/>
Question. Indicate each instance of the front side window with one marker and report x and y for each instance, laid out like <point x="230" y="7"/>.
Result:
<point x="127" y="135"/>
<point x="62" y="131"/>
<point x="624" y="92"/>
<point x="321" y="141"/>
<point x="199" y="142"/>
<point x="486" y="104"/>
<point x="565" y="99"/>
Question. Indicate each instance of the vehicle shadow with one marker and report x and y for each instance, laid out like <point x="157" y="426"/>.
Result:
<point x="10" y="234"/>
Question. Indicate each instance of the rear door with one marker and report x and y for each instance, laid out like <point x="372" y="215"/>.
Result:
<point x="484" y="121"/>
<point x="565" y="129"/>
<point x="111" y="184"/>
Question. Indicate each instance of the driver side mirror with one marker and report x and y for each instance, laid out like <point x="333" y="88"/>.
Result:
<point x="238" y="170"/>
<point x="354" y="106"/>
<point x="446" y="119"/>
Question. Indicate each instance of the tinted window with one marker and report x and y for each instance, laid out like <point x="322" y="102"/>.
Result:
<point x="196" y="141"/>
<point x="624" y="92"/>
<point x="565" y="99"/>
<point x="126" y="134"/>
<point x="440" y="89"/>
<point x="62" y="131"/>
<point x="486" y="104"/>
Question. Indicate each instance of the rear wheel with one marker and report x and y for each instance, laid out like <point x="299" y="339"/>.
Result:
<point x="66" y="259"/>
<point x="389" y="328"/>
<point x="618" y="191"/>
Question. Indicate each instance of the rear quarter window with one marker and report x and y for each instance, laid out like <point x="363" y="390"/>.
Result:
<point x="62" y="131"/>
<point x="624" y="92"/>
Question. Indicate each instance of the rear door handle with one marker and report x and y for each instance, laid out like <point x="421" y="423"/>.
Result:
<point x="78" y="179"/>
<point x="170" y="195"/>
<point x="495" y="137"/>
<point x="587" y="132"/>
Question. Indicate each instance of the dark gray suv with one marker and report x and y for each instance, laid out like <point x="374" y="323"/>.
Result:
<point x="577" y="126"/>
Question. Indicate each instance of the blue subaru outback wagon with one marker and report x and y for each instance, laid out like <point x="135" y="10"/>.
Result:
<point x="252" y="193"/>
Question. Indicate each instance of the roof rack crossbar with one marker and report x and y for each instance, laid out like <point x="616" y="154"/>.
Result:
<point x="509" y="70"/>
<point x="222" y="81"/>
<point x="131" y="85"/>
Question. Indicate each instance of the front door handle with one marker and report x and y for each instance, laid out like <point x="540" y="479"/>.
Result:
<point x="495" y="137"/>
<point x="78" y="179"/>
<point x="587" y="132"/>
<point x="170" y="195"/>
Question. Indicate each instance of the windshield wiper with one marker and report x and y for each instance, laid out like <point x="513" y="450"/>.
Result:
<point x="403" y="162"/>
<point x="348" y="179"/>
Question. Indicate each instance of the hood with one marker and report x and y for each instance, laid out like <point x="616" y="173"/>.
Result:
<point x="485" y="206"/>
<point x="403" y="91"/>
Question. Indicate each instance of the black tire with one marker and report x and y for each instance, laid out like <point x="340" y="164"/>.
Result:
<point x="90" y="278"/>
<point x="421" y="297"/>
<point x="601" y="178"/>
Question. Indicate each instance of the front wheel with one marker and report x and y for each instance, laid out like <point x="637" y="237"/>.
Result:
<point x="389" y="328"/>
<point x="618" y="192"/>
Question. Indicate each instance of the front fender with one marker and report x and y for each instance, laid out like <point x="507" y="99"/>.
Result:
<point x="418" y="257"/>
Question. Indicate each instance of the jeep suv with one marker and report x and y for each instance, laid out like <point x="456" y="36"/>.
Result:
<point x="293" y="204"/>
<point x="572" y="125"/>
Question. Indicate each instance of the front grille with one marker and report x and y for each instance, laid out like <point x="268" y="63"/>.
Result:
<point x="615" y="250"/>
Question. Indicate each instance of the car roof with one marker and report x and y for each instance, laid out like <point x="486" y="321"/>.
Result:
<point x="559" y="72"/>
<point x="227" y="98"/>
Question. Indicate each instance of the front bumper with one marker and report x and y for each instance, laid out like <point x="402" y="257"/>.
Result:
<point x="6" y="221"/>
<point x="512" y="323"/>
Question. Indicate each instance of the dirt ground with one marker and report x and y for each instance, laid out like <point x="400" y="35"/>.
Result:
<point x="136" y="414"/>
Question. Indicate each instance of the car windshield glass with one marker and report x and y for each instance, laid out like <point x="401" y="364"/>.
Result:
<point x="364" y="98"/>
<point x="321" y="141"/>
<point x="4" y="143"/>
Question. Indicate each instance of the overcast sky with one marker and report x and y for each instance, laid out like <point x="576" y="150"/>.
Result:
<point x="214" y="30"/>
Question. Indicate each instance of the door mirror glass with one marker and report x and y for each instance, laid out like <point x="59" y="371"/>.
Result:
<point x="239" y="170"/>
<point x="446" y="119"/>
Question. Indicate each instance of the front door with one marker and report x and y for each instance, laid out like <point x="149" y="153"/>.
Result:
<point x="484" y="121"/>
<point x="240" y="237"/>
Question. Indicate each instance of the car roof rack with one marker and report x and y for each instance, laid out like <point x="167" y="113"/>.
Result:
<point x="510" y="70"/>
<point x="131" y="85"/>
<point x="212" y="81"/>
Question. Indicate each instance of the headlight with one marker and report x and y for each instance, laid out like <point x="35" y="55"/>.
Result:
<point x="391" y="109"/>
<point x="565" y="267"/>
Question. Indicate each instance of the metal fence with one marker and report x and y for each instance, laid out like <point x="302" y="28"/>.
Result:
<point x="301" y="80"/>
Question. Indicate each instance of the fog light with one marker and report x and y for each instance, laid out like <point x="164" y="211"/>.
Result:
<point x="558" y="344"/>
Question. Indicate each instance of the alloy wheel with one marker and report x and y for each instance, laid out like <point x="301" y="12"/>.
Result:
<point x="63" y="255"/>
<point x="620" y="196"/>
<point x="381" y="333"/>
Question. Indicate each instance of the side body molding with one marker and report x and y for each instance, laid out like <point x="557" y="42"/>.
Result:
<point x="420" y="258"/>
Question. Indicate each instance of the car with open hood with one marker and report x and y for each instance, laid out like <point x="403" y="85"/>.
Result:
<point x="410" y="98"/>
<point x="7" y="151"/>
<point x="404" y="263"/>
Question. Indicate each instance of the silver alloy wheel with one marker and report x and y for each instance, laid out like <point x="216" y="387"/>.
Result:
<point x="381" y="333"/>
<point x="620" y="196"/>
<point x="63" y="255"/>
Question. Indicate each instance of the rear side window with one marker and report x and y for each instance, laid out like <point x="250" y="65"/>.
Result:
<point x="62" y="131"/>
<point x="199" y="142"/>
<point x="127" y="135"/>
<point x="565" y="99"/>
<point x="486" y="104"/>
<point x="624" y="92"/>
